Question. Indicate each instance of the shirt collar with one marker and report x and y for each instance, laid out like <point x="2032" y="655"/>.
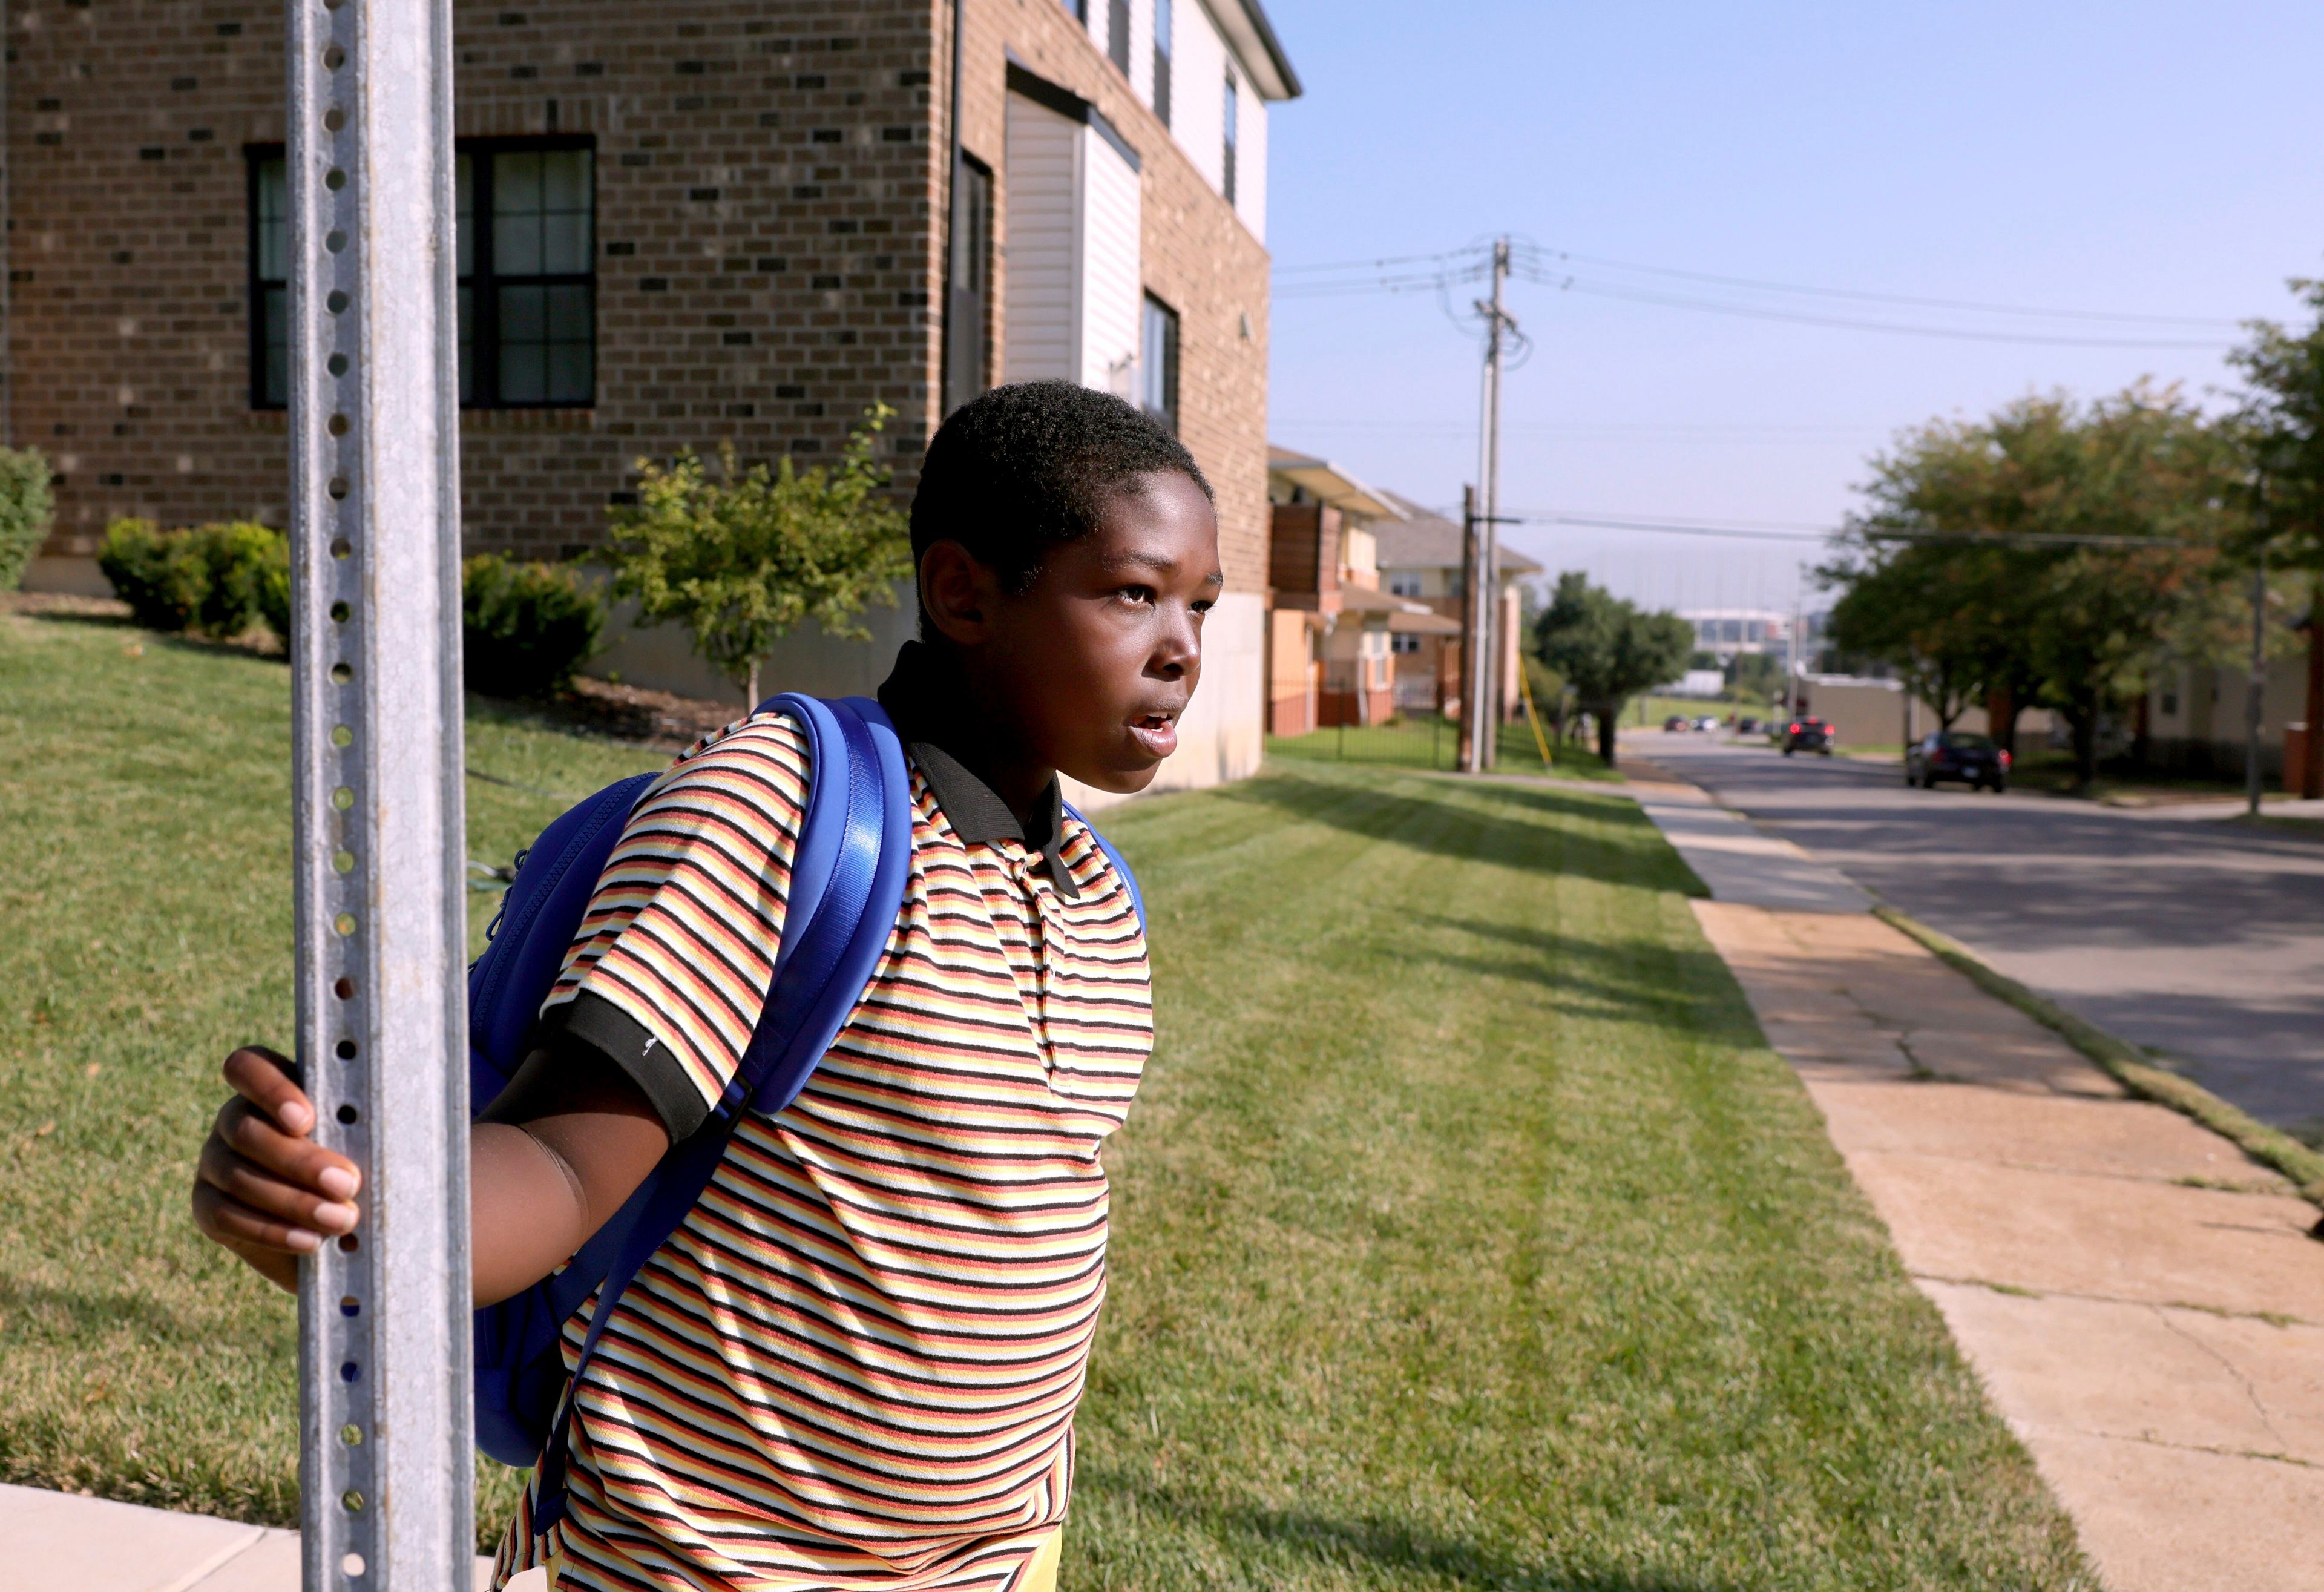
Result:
<point x="975" y="811"/>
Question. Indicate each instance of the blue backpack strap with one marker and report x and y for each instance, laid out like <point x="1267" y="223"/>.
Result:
<point x="1136" y="900"/>
<point x="848" y="876"/>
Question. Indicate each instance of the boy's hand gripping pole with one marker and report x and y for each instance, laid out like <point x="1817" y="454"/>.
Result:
<point x="373" y="350"/>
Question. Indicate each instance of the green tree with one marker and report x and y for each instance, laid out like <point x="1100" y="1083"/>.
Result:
<point x="1607" y="650"/>
<point x="742" y="560"/>
<point x="1995" y="592"/>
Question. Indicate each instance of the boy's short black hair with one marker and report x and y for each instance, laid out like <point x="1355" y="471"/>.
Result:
<point x="1024" y="469"/>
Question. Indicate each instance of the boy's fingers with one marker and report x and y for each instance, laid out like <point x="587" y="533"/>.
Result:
<point x="242" y="1229"/>
<point x="270" y="1082"/>
<point x="270" y="1196"/>
<point x="294" y="1158"/>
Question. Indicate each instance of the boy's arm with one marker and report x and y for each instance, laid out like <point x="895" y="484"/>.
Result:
<point x="555" y="1156"/>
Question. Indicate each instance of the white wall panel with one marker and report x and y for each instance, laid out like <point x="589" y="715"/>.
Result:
<point x="1041" y="324"/>
<point x="1110" y="282"/>
<point x="1141" y="50"/>
<point x="1198" y="90"/>
<point x="1251" y="163"/>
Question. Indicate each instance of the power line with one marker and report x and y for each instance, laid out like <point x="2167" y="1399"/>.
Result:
<point x="1389" y="274"/>
<point x="1802" y="318"/>
<point x="1984" y="309"/>
<point x="1779" y="531"/>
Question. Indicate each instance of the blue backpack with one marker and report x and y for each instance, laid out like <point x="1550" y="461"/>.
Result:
<point x="848" y="876"/>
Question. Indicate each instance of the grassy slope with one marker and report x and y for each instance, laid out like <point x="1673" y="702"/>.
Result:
<point x="144" y="821"/>
<point x="1467" y="1237"/>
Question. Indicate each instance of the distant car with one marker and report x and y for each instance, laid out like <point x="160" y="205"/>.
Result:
<point x="1747" y="725"/>
<point x="1808" y="735"/>
<point x="1709" y="721"/>
<point x="1952" y="754"/>
<point x="1676" y="721"/>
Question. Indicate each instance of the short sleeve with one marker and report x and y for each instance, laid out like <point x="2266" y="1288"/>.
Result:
<point x="670" y="966"/>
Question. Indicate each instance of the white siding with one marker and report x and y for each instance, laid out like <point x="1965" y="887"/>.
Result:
<point x="1111" y="289"/>
<point x="1198" y="90"/>
<point x="1141" y="50"/>
<point x="1040" y="326"/>
<point x="1250" y="163"/>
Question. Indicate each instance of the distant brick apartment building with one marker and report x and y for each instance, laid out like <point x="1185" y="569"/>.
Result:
<point x="681" y="223"/>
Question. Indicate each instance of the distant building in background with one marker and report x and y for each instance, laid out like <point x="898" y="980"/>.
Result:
<point x="1420" y="556"/>
<point x="1725" y="632"/>
<point x="1332" y="632"/>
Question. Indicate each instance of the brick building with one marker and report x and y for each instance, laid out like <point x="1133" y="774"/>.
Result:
<point x="682" y="223"/>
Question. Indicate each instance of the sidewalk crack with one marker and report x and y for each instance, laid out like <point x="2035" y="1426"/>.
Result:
<point x="2259" y="1407"/>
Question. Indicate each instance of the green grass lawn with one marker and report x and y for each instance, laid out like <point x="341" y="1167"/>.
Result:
<point x="1423" y="741"/>
<point x="1467" y="1237"/>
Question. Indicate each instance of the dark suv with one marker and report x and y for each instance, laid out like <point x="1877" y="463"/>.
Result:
<point x="1951" y="755"/>
<point x="1808" y="735"/>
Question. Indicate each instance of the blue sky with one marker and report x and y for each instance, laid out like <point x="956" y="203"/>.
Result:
<point x="2132" y="157"/>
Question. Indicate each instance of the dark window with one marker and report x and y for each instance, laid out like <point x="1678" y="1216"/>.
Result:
<point x="1227" y="167"/>
<point x="528" y="276"/>
<point x="1117" y="32"/>
<point x="527" y="282"/>
<point x="1157" y="362"/>
<point x="270" y="281"/>
<point x="1163" y="36"/>
<point x="968" y="304"/>
<point x="1080" y="8"/>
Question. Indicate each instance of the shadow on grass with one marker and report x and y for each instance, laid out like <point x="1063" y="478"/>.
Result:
<point x="1455" y="820"/>
<point x="1373" y="1543"/>
<point x="1666" y="986"/>
<point x="79" y="1313"/>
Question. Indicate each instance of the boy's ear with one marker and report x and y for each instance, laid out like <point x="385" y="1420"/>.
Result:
<point x="959" y="592"/>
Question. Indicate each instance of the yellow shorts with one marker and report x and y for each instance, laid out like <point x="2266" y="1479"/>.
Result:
<point x="1040" y="1574"/>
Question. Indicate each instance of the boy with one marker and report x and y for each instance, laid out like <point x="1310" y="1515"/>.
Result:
<point x="855" y="1365"/>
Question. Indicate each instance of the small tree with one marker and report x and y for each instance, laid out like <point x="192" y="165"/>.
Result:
<point x="1607" y="650"/>
<point x="742" y="560"/>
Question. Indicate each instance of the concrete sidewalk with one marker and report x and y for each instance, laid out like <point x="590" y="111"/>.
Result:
<point x="61" y="1543"/>
<point x="2142" y="1301"/>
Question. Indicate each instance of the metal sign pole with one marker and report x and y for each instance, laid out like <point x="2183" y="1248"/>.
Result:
<point x="386" y="1467"/>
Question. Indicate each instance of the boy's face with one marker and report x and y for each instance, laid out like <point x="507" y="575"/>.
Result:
<point x="1093" y="668"/>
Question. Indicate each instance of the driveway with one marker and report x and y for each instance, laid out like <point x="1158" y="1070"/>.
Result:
<point x="2201" y="939"/>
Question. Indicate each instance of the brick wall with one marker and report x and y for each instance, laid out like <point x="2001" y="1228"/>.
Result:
<point x="770" y="179"/>
<point x="767" y="172"/>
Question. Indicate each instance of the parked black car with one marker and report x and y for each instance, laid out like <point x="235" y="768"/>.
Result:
<point x="1952" y="754"/>
<point x="1747" y="725"/>
<point x="1808" y="735"/>
<point x="1676" y="721"/>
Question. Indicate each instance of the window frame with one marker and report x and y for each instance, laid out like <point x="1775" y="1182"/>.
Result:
<point x="1153" y="310"/>
<point x="256" y="157"/>
<point x="481" y="283"/>
<point x="1165" y="42"/>
<point x="1230" y="132"/>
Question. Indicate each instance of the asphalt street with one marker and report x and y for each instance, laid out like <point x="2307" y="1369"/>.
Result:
<point x="2202" y="939"/>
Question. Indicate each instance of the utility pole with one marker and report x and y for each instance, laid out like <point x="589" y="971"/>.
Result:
<point x="2255" y="696"/>
<point x="1484" y="692"/>
<point x="1470" y="585"/>
<point x="386" y="1449"/>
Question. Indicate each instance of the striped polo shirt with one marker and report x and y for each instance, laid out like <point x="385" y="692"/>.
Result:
<point x="855" y="1365"/>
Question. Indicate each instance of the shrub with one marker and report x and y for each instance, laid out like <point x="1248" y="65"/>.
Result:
<point x="526" y="628"/>
<point x="218" y="581"/>
<point x="26" y="510"/>
<point x="742" y="560"/>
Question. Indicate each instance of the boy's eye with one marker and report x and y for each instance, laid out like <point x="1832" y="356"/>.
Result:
<point x="1137" y="593"/>
<point x="1204" y="605"/>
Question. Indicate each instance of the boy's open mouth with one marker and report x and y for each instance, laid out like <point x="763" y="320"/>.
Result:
<point x="1156" y="732"/>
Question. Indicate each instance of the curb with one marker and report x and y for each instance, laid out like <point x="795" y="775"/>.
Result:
<point x="2129" y="1067"/>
